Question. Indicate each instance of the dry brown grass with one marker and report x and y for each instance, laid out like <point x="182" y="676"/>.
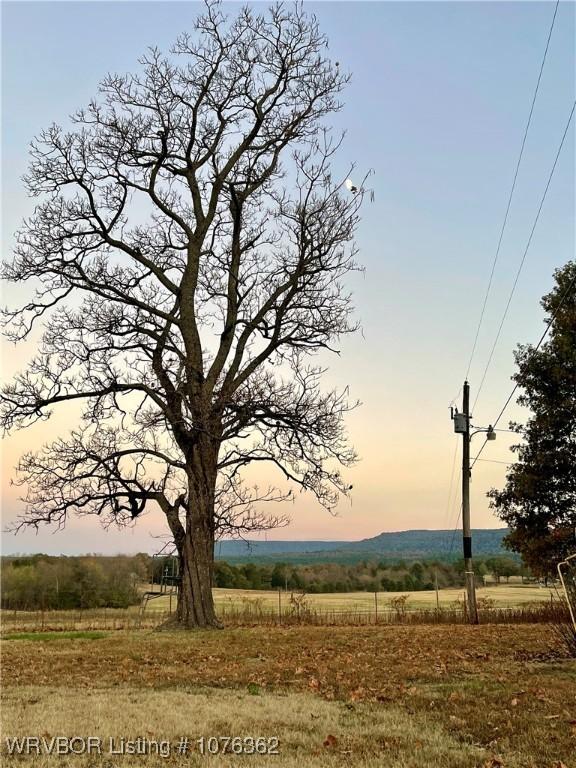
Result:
<point x="362" y="735"/>
<point x="397" y="696"/>
<point x="502" y="605"/>
<point x="503" y="595"/>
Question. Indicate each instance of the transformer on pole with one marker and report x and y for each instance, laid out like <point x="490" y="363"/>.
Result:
<point x="462" y="427"/>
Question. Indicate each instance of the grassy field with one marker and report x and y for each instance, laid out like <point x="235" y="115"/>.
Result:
<point x="245" y="607"/>
<point x="400" y="697"/>
<point x="503" y="595"/>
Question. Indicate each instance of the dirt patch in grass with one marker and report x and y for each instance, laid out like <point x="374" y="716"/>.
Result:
<point x="504" y="690"/>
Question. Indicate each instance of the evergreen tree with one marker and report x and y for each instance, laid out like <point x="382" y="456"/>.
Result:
<point x="538" y="502"/>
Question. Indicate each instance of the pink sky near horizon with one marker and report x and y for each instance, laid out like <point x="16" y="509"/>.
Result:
<point x="391" y="492"/>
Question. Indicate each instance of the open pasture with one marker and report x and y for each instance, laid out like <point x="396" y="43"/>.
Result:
<point x="503" y="596"/>
<point x="236" y="607"/>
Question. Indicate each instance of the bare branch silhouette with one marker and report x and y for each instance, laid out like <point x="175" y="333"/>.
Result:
<point x="187" y="254"/>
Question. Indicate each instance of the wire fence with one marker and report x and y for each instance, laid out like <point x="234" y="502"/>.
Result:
<point x="255" y="614"/>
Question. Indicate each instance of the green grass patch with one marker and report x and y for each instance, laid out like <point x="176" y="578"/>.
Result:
<point x="49" y="636"/>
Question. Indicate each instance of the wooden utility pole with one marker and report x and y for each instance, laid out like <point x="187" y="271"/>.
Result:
<point x="466" y="532"/>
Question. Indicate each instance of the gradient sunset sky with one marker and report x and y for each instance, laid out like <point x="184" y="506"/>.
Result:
<point x="437" y="107"/>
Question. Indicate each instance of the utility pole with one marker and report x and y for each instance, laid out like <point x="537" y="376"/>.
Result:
<point x="466" y="532"/>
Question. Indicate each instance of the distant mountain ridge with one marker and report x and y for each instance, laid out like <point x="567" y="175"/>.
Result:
<point x="398" y="545"/>
<point x="238" y="547"/>
<point x="486" y="541"/>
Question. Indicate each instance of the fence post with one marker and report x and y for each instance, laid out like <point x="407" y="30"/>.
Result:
<point x="279" y="606"/>
<point x="376" y="607"/>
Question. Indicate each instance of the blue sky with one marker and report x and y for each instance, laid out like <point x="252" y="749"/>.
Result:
<point x="437" y="107"/>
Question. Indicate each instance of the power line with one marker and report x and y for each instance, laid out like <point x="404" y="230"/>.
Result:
<point x="565" y="295"/>
<point x="455" y="529"/>
<point x="559" y="306"/>
<point x="476" y="458"/>
<point x="495" y="260"/>
<point x="513" y="187"/>
<point x="449" y="502"/>
<point x="449" y="499"/>
<point x="519" y="270"/>
<point x="453" y="505"/>
<point x="456" y="396"/>
<point x="549" y="324"/>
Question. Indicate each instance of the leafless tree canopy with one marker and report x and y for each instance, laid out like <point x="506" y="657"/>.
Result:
<point x="187" y="254"/>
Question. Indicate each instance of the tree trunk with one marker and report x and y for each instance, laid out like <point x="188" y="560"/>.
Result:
<point x="196" y="551"/>
<point x="195" y="601"/>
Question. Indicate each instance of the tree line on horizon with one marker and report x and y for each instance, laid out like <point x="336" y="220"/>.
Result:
<point x="364" y="576"/>
<point x="44" y="582"/>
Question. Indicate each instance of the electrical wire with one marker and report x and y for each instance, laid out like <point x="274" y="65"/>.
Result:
<point x="497" y="254"/>
<point x="565" y="295"/>
<point x="451" y="502"/>
<point x="519" y="270"/>
<point x="455" y="529"/>
<point x="510" y="196"/>
<point x="449" y="499"/>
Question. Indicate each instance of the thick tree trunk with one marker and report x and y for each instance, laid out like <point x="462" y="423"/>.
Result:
<point x="196" y="551"/>
<point x="195" y="601"/>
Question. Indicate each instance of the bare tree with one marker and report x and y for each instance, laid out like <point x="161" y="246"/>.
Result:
<point x="188" y="254"/>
